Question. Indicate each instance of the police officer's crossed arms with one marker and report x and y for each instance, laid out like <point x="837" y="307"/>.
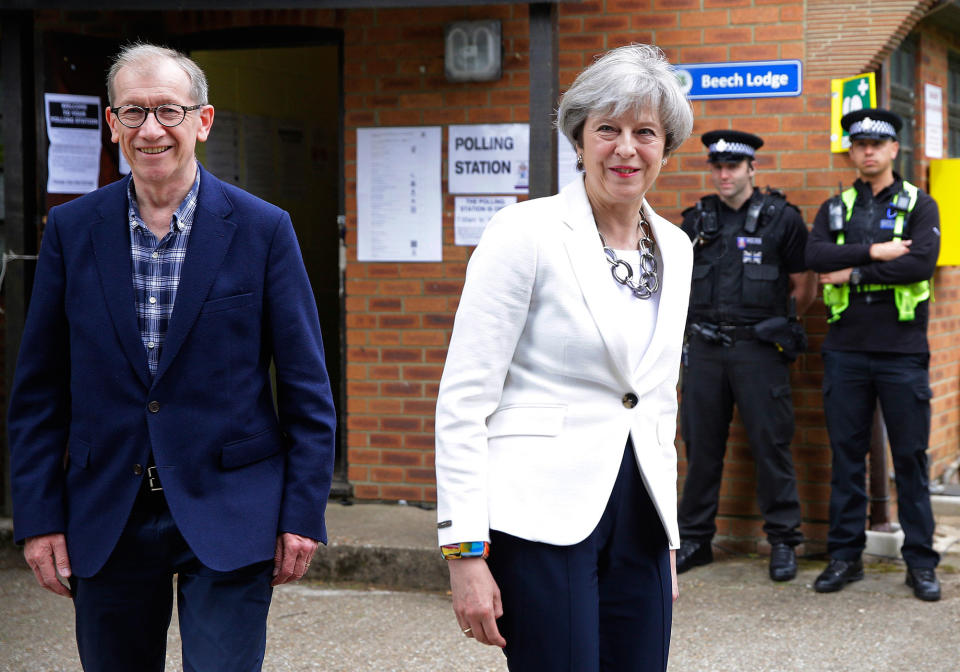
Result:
<point x="749" y="282"/>
<point x="875" y="246"/>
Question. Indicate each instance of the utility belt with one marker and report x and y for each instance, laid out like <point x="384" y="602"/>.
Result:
<point x="786" y="334"/>
<point x="722" y="333"/>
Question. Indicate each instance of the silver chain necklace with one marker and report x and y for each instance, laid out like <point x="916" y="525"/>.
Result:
<point x="647" y="284"/>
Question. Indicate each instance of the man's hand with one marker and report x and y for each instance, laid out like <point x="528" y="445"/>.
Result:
<point x="47" y="557"/>
<point x="890" y="250"/>
<point x="292" y="557"/>
<point x="476" y="600"/>
<point x="836" y="277"/>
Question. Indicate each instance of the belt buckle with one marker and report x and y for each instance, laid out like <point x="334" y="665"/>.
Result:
<point x="153" y="480"/>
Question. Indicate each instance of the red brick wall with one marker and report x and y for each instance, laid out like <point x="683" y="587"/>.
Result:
<point x="399" y="315"/>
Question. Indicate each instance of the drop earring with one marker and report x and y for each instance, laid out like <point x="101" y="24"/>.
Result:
<point x="580" y="162"/>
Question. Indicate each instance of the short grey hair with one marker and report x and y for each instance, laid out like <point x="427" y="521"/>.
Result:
<point x="140" y="54"/>
<point x="633" y="77"/>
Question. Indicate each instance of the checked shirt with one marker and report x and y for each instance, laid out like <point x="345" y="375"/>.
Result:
<point x="156" y="269"/>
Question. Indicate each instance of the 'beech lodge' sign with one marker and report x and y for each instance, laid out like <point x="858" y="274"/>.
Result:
<point x="746" y="79"/>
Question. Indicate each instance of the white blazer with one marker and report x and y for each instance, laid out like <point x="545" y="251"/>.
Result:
<point x="531" y="418"/>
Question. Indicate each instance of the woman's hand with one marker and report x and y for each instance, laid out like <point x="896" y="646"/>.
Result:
<point x="673" y="575"/>
<point x="476" y="600"/>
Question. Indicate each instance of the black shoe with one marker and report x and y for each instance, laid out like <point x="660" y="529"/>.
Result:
<point x="693" y="554"/>
<point x="924" y="582"/>
<point x="783" y="562"/>
<point x="838" y="574"/>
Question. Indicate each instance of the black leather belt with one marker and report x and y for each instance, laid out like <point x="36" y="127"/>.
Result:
<point x="739" y="333"/>
<point x="151" y="497"/>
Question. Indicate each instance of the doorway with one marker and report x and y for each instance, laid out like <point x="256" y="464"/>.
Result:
<point x="277" y="133"/>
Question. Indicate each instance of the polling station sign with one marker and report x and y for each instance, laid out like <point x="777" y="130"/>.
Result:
<point x="745" y="79"/>
<point x="488" y="159"/>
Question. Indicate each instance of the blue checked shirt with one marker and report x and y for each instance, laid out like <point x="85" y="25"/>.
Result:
<point x="156" y="269"/>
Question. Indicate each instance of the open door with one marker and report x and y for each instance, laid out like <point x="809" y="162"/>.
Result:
<point x="277" y="133"/>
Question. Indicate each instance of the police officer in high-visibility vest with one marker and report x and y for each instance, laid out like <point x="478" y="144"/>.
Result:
<point x="875" y="246"/>
<point x="749" y="277"/>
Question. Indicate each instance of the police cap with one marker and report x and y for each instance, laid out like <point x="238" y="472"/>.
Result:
<point x="872" y="123"/>
<point x="733" y="146"/>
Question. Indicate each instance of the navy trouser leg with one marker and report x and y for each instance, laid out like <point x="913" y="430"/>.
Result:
<point x="603" y="604"/>
<point x="123" y="612"/>
<point x="223" y="616"/>
<point x="903" y="384"/>
<point x="706" y="410"/>
<point x="849" y="400"/>
<point x="760" y="379"/>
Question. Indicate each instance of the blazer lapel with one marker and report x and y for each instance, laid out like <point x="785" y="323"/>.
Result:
<point x="593" y="273"/>
<point x="111" y="250"/>
<point x="673" y="300"/>
<point x="210" y="237"/>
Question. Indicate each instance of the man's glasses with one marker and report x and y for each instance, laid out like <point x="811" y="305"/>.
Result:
<point x="169" y="115"/>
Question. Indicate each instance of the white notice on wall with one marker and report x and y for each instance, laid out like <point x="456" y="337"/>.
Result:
<point x="933" y="121"/>
<point x="399" y="203"/>
<point x="73" y="128"/>
<point x="488" y="159"/>
<point x="472" y="215"/>
<point x="566" y="161"/>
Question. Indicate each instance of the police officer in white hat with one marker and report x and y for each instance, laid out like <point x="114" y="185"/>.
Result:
<point x="748" y="271"/>
<point x="875" y="247"/>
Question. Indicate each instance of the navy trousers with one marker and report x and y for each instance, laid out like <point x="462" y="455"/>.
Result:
<point x="123" y="611"/>
<point x="852" y="383"/>
<point x="755" y="377"/>
<point x="602" y="604"/>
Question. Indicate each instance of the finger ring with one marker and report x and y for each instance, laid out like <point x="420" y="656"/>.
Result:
<point x="467" y="631"/>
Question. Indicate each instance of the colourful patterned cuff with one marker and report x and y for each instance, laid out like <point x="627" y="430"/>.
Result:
<point x="467" y="549"/>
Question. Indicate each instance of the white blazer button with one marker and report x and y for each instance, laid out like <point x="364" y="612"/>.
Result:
<point x="630" y="400"/>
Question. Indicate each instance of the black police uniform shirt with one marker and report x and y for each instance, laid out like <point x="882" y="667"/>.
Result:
<point x="870" y="323"/>
<point x="725" y="299"/>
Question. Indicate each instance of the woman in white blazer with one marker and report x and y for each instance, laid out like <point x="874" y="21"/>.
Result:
<point x="557" y="407"/>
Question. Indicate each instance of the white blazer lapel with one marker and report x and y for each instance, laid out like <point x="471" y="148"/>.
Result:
<point x="674" y="290"/>
<point x="593" y="273"/>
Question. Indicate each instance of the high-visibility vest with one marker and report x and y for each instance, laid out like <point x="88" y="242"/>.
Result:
<point x="906" y="297"/>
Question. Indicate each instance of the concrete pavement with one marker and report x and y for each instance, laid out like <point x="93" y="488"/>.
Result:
<point x="730" y="616"/>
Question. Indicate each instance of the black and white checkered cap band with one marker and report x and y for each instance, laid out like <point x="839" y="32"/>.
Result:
<point x="873" y="126"/>
<point x="731" y="148"/>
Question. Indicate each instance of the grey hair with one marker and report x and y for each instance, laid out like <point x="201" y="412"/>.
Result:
<point x="142" y="53"/>
<point x="632" y="77"/>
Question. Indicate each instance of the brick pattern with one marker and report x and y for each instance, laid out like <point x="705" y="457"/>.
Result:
<point x="399" y="315"/>
<point x="854" y="36"/>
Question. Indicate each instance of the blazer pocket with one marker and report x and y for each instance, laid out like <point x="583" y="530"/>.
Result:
<point x="227" y="303"/>
<point x="251" y="449"/>
<point x="527" y="420"/>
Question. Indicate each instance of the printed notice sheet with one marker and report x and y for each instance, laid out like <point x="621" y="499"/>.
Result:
<point x="399" y="203"/>
<point x="73" y="129"/>
<point x="472" y="215"/>
<point x="566" y="161"/>
<point x="488" y="159"/>
<point x="933" y="121"/>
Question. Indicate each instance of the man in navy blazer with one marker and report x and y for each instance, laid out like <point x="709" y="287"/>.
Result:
<point x="146" y="438"/>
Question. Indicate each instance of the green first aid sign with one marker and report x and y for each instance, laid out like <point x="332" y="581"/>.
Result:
<point x="849" y="95"/>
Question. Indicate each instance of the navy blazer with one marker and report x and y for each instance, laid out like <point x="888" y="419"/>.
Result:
<point x="85" y="412"/>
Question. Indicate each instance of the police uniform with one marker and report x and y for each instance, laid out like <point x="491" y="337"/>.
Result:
<point x="876" y="348"/>
<point x="742" y="262"/>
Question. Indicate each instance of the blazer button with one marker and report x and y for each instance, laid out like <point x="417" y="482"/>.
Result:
<point x="154" y="406"/>
<point x="630" y="400"/>
<point x="137" y="469"/>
